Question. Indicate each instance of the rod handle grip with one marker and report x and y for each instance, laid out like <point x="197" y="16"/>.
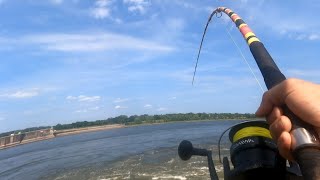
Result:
<point x="305" y="143"/>
<point x="308" y="159"/>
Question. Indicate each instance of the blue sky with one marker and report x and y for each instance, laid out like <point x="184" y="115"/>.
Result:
<point x="65" y="61"/>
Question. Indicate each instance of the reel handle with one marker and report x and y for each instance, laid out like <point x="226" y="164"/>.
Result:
<point x="186" y="151"/>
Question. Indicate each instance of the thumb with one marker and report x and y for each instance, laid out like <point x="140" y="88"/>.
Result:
<point x="266" y="105"/>
<point x="274" y="97"/>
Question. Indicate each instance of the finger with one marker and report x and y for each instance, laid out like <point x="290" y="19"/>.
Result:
<point x="274" y="115"/>
<point x="274" y="97"/>
<point x="265" y="106"/>
<point x="284" y="145"/>
<point x="282" y="124"/>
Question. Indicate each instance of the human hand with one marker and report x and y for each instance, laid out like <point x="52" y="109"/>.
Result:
<point x="302" y="98"/>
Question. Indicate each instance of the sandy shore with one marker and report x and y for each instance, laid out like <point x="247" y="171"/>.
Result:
<point x="86" y="129"/>
<point x="67" y="132"/>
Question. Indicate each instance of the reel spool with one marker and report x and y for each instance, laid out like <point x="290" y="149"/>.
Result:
<point x="254" y="154"/>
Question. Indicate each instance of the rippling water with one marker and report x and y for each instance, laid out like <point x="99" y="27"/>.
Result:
<point x="140" y="152"/>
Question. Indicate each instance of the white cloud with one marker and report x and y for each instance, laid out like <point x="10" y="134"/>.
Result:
<point x="88" y="98"/>
<point x="244" y="1"/>
<point x="148" y="106"/>
<point x="2" y="118"/>
<point x="120" y="107"/>
<point x="119" y="100"/>
<point x="286" y="25"/>
<point x="162" y="109"/>
<point x="28" y="112"/>
<point x="56" y="1"/>
<point x="100" y="13"/>
<point x="81" y="111"/>
<point x="314" y="37"/>
<point x="175" y="24"/>
<point x="118" y="20"/>
<point x="185" y="4"/>
<point x="305" y="36"/>
<point x="2" y="1"/>
<point x="303" y="73"/>
<point x="71" y="98"/>
<point x="83" y="98"/>
<point x="172" y="98"/>
<point x="102" y="3"/>
<point x="192" y="6"/>
<point x="96" y="108"/>
<point x="94" y="42"/>
<point x="299" y="37"/>
<point x="101" y="9"/>
<point x="137" y="5"/>
<point x="22" y="94"/>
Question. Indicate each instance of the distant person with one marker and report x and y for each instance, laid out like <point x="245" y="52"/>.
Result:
<point x="302" y="98"/>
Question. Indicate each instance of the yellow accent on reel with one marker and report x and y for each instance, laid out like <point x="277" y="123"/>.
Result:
<point x="251" y="40"/>
<point x="251" y="131"/>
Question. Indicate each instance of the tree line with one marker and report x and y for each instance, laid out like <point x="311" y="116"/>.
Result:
<point x="145" y="118"/>
<point x="142" y="119"/>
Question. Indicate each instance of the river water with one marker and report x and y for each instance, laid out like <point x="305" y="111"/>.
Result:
<point x="139" y="152"/>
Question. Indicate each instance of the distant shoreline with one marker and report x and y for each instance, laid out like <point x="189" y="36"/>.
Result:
<point x="204" y="120"/>
<point x="67" y="132"/>
<point x="26" y="142"/>
<point x="87" y="129"/>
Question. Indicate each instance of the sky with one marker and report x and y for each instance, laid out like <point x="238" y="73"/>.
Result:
<point x="64" y="61"/>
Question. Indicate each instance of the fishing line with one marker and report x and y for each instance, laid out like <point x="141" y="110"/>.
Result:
<point x="305" y="153"/>
<point x="244" y="58"/>
<point x="200" y="48"/>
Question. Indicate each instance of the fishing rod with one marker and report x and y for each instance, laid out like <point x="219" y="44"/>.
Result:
<point x="305" y="142"/>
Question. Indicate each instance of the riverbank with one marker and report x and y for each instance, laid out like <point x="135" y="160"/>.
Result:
<point x="203" y="120"/>
<point x="26" y="142"/>
<point x="67" y="132"/>
<point x="57" y="133"/>
<point x="142" y="152"/>
<point x="86" y="129"/>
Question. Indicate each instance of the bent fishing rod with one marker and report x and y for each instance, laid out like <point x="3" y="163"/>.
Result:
<point x="305" y="142"/>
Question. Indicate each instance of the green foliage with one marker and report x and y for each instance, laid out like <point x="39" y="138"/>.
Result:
<point x="143" y="119"/>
